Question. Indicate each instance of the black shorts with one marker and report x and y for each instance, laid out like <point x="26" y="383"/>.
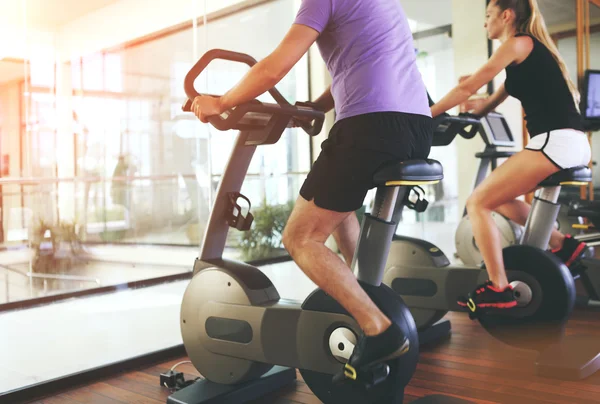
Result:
<point x="356" y="148"/>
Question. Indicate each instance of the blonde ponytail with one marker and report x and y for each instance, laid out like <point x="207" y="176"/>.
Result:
<point x="537" y="28"/>
<point x="529" y="20"/>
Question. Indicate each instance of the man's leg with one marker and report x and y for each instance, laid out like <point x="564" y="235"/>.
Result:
<point x="346" y="236"/>
<point x="304" y="237"/>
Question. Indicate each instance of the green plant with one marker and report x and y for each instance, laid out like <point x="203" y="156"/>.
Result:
<point x="65" y="246"/>
<point x="264" y="239"/>
<point x="38" y="235"/>
<point x="64" y="232"/>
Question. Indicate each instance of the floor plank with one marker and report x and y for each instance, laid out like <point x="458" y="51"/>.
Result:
<point x="471" y="365"/>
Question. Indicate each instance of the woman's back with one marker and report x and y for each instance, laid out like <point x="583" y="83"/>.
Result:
<point x="539" y="84"/>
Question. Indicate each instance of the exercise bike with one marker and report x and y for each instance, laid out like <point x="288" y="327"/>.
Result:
<point x="466" y="247"/>
<point x="495" y="132"/>
<point x="587" y="270"/>
<point x="422" y="275"/>
<point x="238" y="332"/>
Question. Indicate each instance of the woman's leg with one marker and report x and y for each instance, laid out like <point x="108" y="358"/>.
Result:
<point x="518" y="175"/>
<point x="518" y="210"/>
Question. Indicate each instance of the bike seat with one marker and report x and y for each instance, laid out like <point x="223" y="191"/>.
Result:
<point x="411" y="172"/>
<point x="576" y="176"/>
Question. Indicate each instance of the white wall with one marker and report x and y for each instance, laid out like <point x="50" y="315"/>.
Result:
<point x="470" y="53"/>
<point x="18" y="40"/>
<point x="511" y="108"/>
<point x="23" y="44"/>
<point x="568" y="49"/>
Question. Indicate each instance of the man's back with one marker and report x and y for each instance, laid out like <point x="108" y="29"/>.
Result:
<point x="368" y="48"/>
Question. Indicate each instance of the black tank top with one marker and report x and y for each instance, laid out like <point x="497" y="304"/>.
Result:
<point x="539" y="84"/>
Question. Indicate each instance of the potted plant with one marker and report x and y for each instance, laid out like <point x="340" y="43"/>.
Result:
<point x="55" y="249"/>
<point x="264" y="239"/>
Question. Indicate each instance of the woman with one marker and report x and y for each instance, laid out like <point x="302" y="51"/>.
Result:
<point x="383" y="116"/>
<point x="538" y="77"/>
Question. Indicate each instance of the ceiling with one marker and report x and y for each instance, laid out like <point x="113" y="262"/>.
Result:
<point x="555" y="12"/>
<point x="47" y="15"/>
<point x="50" y="14"/>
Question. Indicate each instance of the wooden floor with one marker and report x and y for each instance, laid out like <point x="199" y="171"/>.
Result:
<point x="471" y="365"/>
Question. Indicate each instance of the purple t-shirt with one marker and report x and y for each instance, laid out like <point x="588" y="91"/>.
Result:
<point x="368" y="48"/>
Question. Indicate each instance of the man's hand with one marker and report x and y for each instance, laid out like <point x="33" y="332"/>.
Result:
<point x="299" y="122"/>
<point x="204" y="107"/>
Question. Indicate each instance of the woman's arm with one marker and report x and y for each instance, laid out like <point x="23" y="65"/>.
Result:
<point x="263" y="76"/>
<point x="511" y="50"/>
<point x="492" y="102"/>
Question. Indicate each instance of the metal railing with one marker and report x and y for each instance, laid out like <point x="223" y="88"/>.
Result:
<point x="88" y="179"/>
<point x="90" y="194"/>
<point x="32" y="275"/>
<point x="143" y="213"/>
<point x="132" y="178"/>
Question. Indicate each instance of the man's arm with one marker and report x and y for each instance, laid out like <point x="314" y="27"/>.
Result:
<point x="262" y="76"/>
<point x="325" y="102"/>
<point x="268" y="72"/>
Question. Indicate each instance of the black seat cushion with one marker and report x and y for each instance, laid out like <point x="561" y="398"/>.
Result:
<point x="412" y="170"/>
<point x="577" y="174"/>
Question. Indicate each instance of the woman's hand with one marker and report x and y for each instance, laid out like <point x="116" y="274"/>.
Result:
<point x="515" y="49"/>
<point x="204" y="107"/>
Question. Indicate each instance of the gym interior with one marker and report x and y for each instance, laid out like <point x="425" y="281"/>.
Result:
<point x="107" y="187"/>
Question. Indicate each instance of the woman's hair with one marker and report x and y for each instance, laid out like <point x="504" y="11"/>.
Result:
<point x="529" y="20"/>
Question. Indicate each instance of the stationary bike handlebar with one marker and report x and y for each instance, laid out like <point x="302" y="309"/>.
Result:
<point x="448" y="127"/>
<point x="253" y="115"/>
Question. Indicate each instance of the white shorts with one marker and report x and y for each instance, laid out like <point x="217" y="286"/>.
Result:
<point x="565" y="148"/>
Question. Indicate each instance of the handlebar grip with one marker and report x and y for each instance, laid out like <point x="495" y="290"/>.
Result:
<point x="470" y="115"/>
<point x="474" y="127"/>
<point x="308" y="104"/>
<point x="215" y="121"/>
<point x="314" y="127"/>
<point x="440" y="118"/>
<point x="471" y="133"/>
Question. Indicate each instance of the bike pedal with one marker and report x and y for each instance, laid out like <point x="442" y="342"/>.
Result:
<point x="376" y="375"/>
<point x="347" y="373"/>
<point x="474" y="311"/>
<point x="369" y="376"/>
